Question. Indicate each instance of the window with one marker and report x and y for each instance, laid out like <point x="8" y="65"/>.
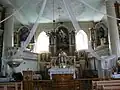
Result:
<point x="42" y="44"/>
<point x="81" y="41"/>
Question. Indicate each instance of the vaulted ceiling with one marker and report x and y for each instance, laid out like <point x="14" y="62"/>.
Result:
<point x="55" y="9"/>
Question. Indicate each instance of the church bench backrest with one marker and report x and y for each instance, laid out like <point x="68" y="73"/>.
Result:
<point x="110" y="88"/>
<point x="100" y="86"/>
<point x="97" y="85"/>
<point x="109" y="81"/>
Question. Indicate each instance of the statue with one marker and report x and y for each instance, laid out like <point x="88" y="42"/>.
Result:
<point x="62" y="59"/>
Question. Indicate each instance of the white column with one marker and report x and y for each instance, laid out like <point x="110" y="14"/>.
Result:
<point x="8" y="34"/>
<point x="8" y="30"/>
<point x="112" y="28"/>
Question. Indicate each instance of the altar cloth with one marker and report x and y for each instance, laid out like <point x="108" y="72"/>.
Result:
<point x="62" y="71"/>
<point x="116" y="76"/>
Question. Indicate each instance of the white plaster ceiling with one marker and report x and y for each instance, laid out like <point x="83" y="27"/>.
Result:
<point x="82" y="12"/>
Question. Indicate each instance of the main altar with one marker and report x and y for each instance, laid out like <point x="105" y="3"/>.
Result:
<point x="62" y="48"/>
<point x="63" y="59"/>
<point x="65" y="68"/>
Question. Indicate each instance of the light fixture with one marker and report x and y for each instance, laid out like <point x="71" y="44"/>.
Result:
<point x="53" y="16"/>
<point x="59" y="15"/>
<point x="59" y="12"/>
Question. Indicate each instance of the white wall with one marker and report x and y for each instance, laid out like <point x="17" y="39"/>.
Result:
<point x="27" y="64"/>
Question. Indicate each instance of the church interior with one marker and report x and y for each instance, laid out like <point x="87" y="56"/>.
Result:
<point x="59" y="45"/>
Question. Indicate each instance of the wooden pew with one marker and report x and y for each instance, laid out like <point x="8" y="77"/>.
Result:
<point x="111" y="88"/>
<point x="105" y="85"/>
<point x="11" y="86"/>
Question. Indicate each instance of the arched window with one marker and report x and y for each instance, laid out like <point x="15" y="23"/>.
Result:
<point x="42" y="44"/>
<point x="81" y="41"/>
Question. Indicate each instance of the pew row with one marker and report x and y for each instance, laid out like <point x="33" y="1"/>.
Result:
<point x="11" y="86"/>
<point x="106" y="85"/>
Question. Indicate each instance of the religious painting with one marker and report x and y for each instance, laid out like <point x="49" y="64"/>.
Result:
<point x="24" y="32"/>
<point x="21" y="35"/>
<point x="62" y="39"/>
<point x="101" y="32"/>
